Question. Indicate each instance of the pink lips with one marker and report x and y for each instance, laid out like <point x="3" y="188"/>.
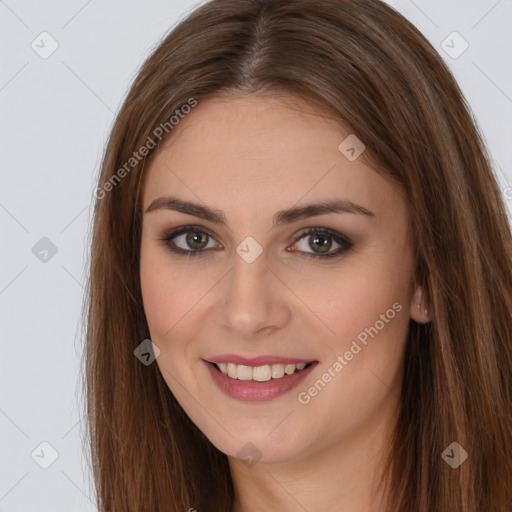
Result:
<point x="254" y="391"/>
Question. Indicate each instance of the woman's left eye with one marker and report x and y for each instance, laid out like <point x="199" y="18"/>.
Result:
<point x="322" y="238"/>
<point x="197" y="240"/>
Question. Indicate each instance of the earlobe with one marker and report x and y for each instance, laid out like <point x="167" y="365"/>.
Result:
<point x="419" y="308"/>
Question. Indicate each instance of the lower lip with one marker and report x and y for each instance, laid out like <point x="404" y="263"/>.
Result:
<point x="254" y="391"/>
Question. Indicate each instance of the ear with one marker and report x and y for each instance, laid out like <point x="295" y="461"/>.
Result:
<point x="419" y="308"/>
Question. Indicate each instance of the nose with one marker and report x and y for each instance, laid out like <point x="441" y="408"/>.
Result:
<point x="255" y="301"/>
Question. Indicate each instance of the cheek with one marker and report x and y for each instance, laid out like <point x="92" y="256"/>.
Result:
<point x="364" y="309"/>
<point x="163" y="306"/>
<point x="362" y="356"/>
<point x="356" y="295"/>
<point x="174" y="303"/>
<point x="165" y="312"/>
<point x="153" y="284"/>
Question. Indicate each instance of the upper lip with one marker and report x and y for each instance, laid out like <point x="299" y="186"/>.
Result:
<point x="256" y="361"/>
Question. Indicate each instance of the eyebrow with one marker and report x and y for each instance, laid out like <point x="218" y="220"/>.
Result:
<point x="281" y="217"/>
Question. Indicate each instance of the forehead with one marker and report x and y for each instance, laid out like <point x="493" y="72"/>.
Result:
<point x="252" y="152"/>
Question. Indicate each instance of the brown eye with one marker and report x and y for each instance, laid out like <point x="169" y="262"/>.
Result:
<point x="196" y="240"/>
<point x="192" y="241"/>
<point x="320" y="240"/>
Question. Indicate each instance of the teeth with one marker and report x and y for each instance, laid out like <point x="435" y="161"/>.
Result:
<point x="259" y="373"/>
<point x="277" y="371"/>
<point x="232" y="370"/>
<point x="244" y="372"/>
<point x="289" y="369"/>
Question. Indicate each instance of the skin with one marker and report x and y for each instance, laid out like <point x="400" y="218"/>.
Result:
<point x="251" y="156"/>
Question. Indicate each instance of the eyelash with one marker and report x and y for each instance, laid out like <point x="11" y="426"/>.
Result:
<point x="344" y="241"/>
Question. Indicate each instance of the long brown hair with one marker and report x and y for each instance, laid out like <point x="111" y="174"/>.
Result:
<point x="366" y="65"/>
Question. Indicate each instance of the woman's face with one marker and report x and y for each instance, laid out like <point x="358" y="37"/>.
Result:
<point x="257" y="286"/>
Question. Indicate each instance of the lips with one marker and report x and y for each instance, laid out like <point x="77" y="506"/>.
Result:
<point x="253" y="391"/>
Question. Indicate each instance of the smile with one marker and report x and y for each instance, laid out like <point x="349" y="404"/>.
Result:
<point x="258" y="383"/>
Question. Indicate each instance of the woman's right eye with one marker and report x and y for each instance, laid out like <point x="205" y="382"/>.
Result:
<point x="189" y="236"/>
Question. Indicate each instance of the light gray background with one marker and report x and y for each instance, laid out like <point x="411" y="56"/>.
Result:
<point x="56" y="113"/>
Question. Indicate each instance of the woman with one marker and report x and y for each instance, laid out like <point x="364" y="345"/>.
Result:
<point x="301" y="280"/>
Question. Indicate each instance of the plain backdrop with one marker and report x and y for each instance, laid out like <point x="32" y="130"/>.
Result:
<point x="65" y="69"/>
